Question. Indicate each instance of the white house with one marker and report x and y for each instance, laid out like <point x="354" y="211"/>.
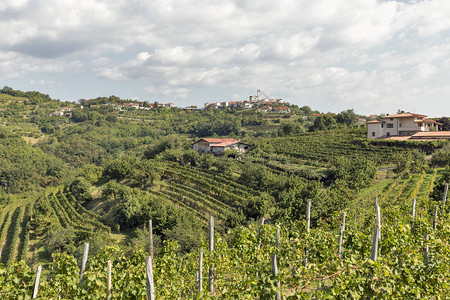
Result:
<point x="57" y="113"/>
<point x="404" y="124"/>
<point x="217" y="146"/>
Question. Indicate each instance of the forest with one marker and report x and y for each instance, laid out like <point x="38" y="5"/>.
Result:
<point x="101" y="174"/>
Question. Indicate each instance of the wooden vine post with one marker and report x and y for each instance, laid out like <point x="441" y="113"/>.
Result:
<point x="275" y="272"/>
<point x="150" y="235"/>
<point x="308" y="223"/>
<point x="260" y="233"/>
<point x="444" y="197"/>
<point x="211" y="250"/>
<point x="413" y="214"/>
<point x="426" y="251"/>
<point x="375" y="245"/>
<point x="108" y="281"/>
<point x="308" y="214"/>
<point x="277" y="239"/>
<point x="149" y="275"/>
<point x="378" y="214"/>
<point x="377" y="232"/>
<point x="84" y="260"/>
<point x="36" y="281"/>
<point x="341" y="235"/>
<point x="200" y="271"/>
<point x="435" y="218"/>
<point x="1" y="249"/>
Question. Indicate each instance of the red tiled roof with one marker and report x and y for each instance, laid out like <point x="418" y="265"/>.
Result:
<point x="404" y="115"/>
<point x="432" y="134"/>
<point x="217" y="142"/>
<point x="224" y="144"/>
<point x="431" y="121"/>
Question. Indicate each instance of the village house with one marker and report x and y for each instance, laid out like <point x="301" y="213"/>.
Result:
<point x="264" y="109"/>
<point x="283" y="110"/>
<point x="131" y="105"/>
<point x="402" y="124"/>
<point x="218" y="146"/>
<point x="60" y="113"/>
<point x="170" y="105"/>
<point x="57" y="113"/>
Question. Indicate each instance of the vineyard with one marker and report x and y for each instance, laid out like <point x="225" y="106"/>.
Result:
<point x="399" y="189"/>
<point x="319" y="148"/>
<point x="198" y="193"/>
<point x="99" y="177"/>
<point x="21" y="224"/>
<point x="308" y="261"/>
<point x="202" y="193"/>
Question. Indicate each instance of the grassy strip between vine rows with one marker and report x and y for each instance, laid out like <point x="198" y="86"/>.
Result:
<point x="12" y="239"/>
<point x="25" y="235"/>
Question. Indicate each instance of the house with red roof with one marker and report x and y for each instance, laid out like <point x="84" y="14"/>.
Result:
<point x="264" y="109"/>
<point x="283" y="109"/>
<point x="218" y="145"/>
<point x="402" y="124"/>
<point x="57" y="113"/>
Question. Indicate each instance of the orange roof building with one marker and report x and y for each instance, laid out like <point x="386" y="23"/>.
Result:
<point x="219" y="145"/>
<point x="401" y="124"/>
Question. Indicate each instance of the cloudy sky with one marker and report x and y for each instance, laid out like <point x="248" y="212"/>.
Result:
<point x="370" y="55"/>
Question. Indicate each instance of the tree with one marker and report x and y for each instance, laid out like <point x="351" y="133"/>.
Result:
<point x="357" y="173"/>
<point x="113" y="188"/>
<point x="119" y="168"/>
<point x="90" y="172"/>
<point x="445" y="123"/>
<point x="79" y="188"/>
<point x="290" y="128"/>
<point x="347" y="117"/>
<point x="306" y="110"/>
<point x="323" y="122"/>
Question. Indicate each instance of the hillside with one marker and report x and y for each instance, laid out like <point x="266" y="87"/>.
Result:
<point x="99" y="175"/>
<point x="408" y="261"/>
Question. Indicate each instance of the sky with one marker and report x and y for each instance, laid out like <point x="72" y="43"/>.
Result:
<point x="372" y="56"/>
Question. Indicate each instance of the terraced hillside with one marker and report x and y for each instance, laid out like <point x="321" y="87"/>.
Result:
<point x="321" y="147"/>
<point x="21" y="225"/>
<point x="399" y="190"/>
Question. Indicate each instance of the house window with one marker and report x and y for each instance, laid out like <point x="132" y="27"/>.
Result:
<point x="373" y="133"/>
<point x="419" y="124"/>
<point x="382" y="125"/>
<point x="400" y="125"/>
<point x="388" y="133"/>
<point x="389" y="125"/>
<point x="391" y="119"/>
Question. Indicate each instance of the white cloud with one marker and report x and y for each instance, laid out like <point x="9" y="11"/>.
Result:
<point x="333" y="53"/>
<point x="112" y="74"/>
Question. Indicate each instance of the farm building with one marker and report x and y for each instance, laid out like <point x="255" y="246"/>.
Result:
<point x="218" y="146"/>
